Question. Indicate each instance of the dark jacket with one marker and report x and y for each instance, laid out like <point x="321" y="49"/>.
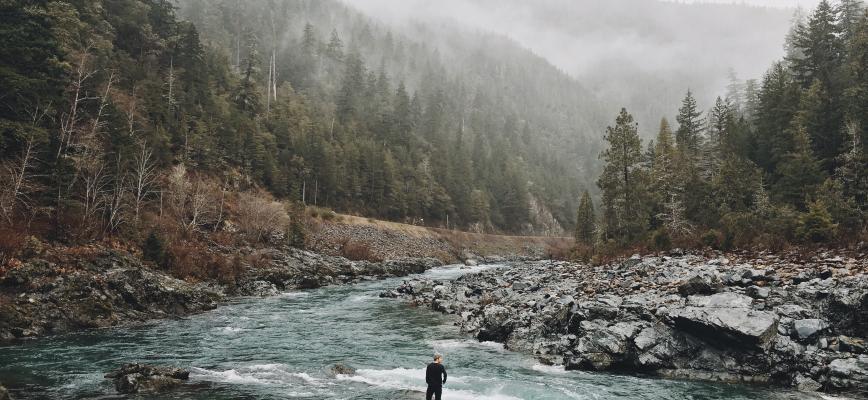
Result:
<point x="433" y="374"/>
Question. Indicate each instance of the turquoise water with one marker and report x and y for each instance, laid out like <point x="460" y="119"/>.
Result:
<point x="282" y="347"/>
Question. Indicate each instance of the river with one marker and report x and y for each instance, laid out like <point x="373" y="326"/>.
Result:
<point x="283" y="347"/>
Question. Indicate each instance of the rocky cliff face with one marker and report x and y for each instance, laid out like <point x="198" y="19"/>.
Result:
<point x="109" y="287"/>
<point x="768" y="319"/>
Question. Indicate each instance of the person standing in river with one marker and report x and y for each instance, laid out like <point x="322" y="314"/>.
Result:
<point x="433" y="375"/>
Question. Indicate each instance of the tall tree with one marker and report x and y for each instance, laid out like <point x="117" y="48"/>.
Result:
<point x="688" y="136"/>
<point x="623" y="181"/>
<point x="585" y="220"/>
<point x="820" y="45"/>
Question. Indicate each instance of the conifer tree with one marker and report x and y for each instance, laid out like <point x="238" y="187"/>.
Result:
<point x="799" y="173"/>
<point x="819" y="43"/>
<point x="623" y="182"/>
<point x="688" y="136"/>
<point x="585" y="220"/>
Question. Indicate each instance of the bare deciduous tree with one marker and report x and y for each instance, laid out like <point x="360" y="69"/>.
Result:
<point x="116" y="199"/>
<point x="17" y="182"/>
<point x="143" y="180"/>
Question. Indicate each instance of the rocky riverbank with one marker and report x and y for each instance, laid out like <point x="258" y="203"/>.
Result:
<point x="783" y="320"/>
<point x="64" y="290"/>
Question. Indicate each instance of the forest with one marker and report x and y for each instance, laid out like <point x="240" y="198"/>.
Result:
<point x="308" y="100"/>
<point x="120" y="118"/>
<point x="776" y="162"/>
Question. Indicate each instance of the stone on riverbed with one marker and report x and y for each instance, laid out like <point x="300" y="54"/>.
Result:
<point x="342" y="369"/>
<point x="726" y="318"/>
<point x="807" y="329"/>
<point x="143" y="378"/>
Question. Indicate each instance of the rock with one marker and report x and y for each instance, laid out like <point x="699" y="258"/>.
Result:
<point x="809" y="328"/>
<point x="698" y="284"/>
<point x="805" y="384"/>
<point x="851" y="345"/>
<point x="632" y="261"/>
<point x="342" y="369"/>
<point x="758" y="292"/>
<point x="849" y="373"/>
<point x="143" y="378"/>
<point x="679" y="315"/>
<point x="726" y="319"/>
<point x="470" y="262"/>
<point x="4" y="394"/>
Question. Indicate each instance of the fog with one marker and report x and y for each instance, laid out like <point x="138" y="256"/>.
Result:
<point x="632" y="51"/>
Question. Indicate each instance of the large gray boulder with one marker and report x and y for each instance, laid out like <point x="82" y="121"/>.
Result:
<point x="849" y="373"/>
<point x="142" y="378"/>
<point x="726" y="319"/>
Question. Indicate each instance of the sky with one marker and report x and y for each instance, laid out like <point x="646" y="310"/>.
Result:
<point x="767" y="3"/>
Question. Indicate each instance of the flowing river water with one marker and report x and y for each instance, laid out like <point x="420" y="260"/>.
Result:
<point x="283" y="347"/>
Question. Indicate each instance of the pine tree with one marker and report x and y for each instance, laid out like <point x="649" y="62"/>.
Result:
<point x="816" y="224"/>
<point x="623" y="182"/>
<point x="849" y="14"/>
<point x="820" y="46"/>
<point x="821" y="119"/>
<point x="585" y="220"/>
<point x="778" y="103"/>
<point x="799" y="173"/>
<point x="856" y="94"/>
<point x="688" y="136"/>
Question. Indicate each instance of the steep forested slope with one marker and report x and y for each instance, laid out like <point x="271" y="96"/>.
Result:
<point x="111" y="107"/>
<point x="491" y="120"/>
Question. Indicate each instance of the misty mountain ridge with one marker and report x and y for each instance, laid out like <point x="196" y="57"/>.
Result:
<point x="635" y="53"/>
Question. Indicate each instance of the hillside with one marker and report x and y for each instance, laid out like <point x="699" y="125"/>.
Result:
<point x="487" y="125"/>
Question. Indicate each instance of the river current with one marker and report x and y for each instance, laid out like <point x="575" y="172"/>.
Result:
<point x="283" y="347"/>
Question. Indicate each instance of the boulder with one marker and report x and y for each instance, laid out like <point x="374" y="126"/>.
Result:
<point x="807" y="329"/>
<point x="698" y="284"/>
<point x="342" y="369"/>
<point x="852" y="345"/>
<point x="849" y="373"/>
<point x="4" y="394"/>
<point x="143" y="378"/>
<point x="725" y="319"/>
<point x="470" y="262"/>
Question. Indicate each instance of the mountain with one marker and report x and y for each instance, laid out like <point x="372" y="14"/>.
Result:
<point x="639" y="54"/>
<point x="500" y="127"/>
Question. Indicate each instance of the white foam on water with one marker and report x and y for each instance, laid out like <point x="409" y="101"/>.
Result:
<point x="293" y="295"/>
<point x="549" y="369"/>
<point x="360" y="298"/>
<point x="413" y="379"/>
<point x="230" y="329"/>
<point x="448" y="344"/>
<point x="256" y="374"/>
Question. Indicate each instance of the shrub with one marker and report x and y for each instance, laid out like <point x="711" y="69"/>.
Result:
<point x="559" y="250"/>
<point x="296" y="232"/>
<point x="154" y="250"/>
<point x="816" y="225"/>
<point x="358" y="251"/>
<point x="661" y="240"/>
<point x="191" y="260"/>
<point x="712" y="238"/>
<point x="11" y="243"/>
<point x="259" y="216"/>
